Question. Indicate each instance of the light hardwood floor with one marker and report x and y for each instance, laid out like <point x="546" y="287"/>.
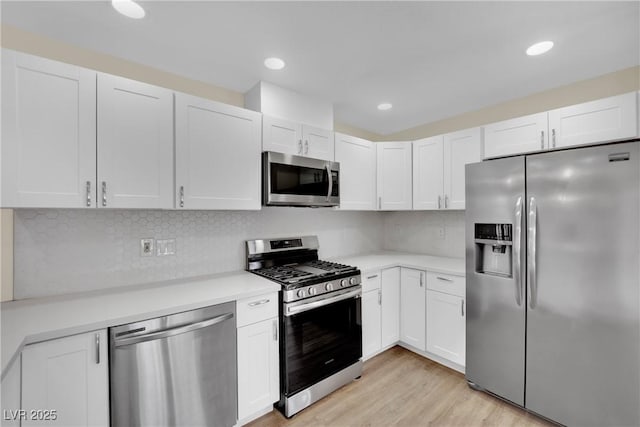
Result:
<point x="400" y="388"/>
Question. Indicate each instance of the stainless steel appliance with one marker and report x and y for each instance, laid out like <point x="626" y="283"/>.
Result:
<point x="320" y="318"/>
<point x="299" y="181"/>
<point x="176" y="370"/>
<point x="553" y="274"/>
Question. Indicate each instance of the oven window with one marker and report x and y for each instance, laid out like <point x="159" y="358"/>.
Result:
<point x="321" y="342"/>
<point x="290" y="179"/>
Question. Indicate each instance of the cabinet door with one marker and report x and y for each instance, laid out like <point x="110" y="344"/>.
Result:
<point x="135" y="144"/>
<point x="282" y="136"/>
<point x="218" y="157"/>
<point x="515" y="136"/>
<point x="69" y="375"/>
<point x="258" y="367"/>
<point x="390" y="308"/>
<point x="412" y="308"/>
<point x="446" y="326"/>
<point x="607" y="119"/>
<point x="318" y="143"/>
<point x="371" y="322"/>
<point x="394" y="176"/>
<point x="460" y="149"/>
<point x="48" y="145"/>
<point x="428" y="173"/>
<point x="357" y="158"/>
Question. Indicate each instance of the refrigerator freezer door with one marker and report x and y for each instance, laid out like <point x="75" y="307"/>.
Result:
<point x="495" y="193"/>
<point x="583" y="320"/>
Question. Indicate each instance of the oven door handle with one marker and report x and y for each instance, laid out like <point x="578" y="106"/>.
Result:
<point x="292" y="310"/>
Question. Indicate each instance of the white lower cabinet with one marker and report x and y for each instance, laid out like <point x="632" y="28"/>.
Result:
<point x="258" y="355"/>
<point x="412" y="308"/>
<point x="371" y="314"/>
<point x="69" y="376"/>
<point x="446" y="326"/>
<point x="390" y="306"/>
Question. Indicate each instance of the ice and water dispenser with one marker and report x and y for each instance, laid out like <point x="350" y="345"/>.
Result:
<point x="494" y="249"/>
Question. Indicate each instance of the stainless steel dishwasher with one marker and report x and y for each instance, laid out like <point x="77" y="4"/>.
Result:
<point x="177" y="370"/>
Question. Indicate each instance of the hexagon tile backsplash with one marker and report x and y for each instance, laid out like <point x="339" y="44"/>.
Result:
<point x="61" y="251"/>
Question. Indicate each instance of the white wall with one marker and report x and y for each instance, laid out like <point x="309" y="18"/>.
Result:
<point x="60" y="251"/>
<point x="439" y="233"/>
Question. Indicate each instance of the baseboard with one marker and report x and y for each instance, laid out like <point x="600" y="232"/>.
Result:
<point x="434" y="357"/>
<point x="254" y="416"/>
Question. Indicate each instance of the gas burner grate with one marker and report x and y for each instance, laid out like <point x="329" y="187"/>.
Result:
<point x="329" y="266"/>
<point x="282" y="274"/>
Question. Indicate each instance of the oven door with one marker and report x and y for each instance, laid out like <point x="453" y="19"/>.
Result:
<point x="321" y="337"/>
<point x="300" y="181"/>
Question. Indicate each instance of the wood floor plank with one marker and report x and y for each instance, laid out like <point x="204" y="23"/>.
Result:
<point x="400" y="388"/>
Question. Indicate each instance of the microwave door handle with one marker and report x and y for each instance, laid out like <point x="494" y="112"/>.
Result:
<point x="330" y="178"/>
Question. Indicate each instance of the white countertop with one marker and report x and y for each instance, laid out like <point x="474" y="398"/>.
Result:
<point x="28" y="321"/>
<point x="379" y="260"/>
<point x="39" y="319"/>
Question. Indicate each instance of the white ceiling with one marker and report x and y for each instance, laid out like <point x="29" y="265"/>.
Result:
<point x="432" y="60"/>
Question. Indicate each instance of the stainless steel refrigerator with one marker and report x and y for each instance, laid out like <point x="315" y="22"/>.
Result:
<point x="553" y="276"/>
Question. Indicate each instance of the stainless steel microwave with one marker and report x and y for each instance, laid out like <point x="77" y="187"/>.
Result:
<point x="290" y="180"/>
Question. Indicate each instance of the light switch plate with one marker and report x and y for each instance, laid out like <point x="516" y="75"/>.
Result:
<point x="165" y="247"/>
<point x="146" y="247"/>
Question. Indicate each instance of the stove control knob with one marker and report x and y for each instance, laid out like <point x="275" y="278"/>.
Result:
<point x="312" y="291"/>
<point x="343" y="283"/>
<point x="352" y="281"/>
<point x="301" y="293"/>
<point x="329" y="286"/>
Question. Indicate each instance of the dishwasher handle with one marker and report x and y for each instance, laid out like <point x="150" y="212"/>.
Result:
<point x="169" y="332"/>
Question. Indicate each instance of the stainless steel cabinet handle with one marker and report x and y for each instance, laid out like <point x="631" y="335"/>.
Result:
<point x="379" y="202"/>
<point x="372" y="277"/>
<point x="255" y="303"/>
<point x="542" y="140"/>
<point x="379" y="297"/>
<point x="104" y="193"/>
<point x="169" y="332"/>
<point x="444" y="279"/>
<point x="531" y="252"/>
<point x="182" y="196"/>
<point x="553" y="137"/>
<point x="88" y="193"/>
<point x="439" y="202"/>
<point x="421" y="279"/>
<point x="306" y="147"/>
<point x="517" y="251"/>
<point x="330" y="178"/>
<point x="275" y="329"/>
<point x="299" y="146"/>
<point x="446" y="202"/>
<point x="462" y="308"/>
<point x="97" y="349"/>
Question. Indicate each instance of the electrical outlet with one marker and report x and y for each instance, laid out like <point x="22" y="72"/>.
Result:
<point x="146" y="247"/>
<point x="165" y="247"/>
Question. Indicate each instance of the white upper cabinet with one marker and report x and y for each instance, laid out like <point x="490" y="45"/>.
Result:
<point x="357" y="158"/>
<point x="48" y="145"/>
<point x="519" y="135"/>
<point x="69" y="375"/>
<point x="460" y="149"/>
<point x="218" y="155"/>
<point x="285" y="136"/>
<point x="608" y="119"/>
<point x="412" y="307"/>
<point x="282" y="136"/>
<point x="394" y="176"/>
<point x="428" y="173"/>
<point x="135" y="144"/>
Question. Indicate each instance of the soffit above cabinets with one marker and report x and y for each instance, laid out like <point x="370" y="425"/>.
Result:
<point x="431" y="60"/>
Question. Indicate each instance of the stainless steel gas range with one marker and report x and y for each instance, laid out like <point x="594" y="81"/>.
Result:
<point x="320" y="318"/>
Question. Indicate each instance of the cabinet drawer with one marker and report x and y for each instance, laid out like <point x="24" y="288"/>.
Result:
<point x="454" y="285"/>
<point x="256" y="309"/>
<point x="370" y="281"/>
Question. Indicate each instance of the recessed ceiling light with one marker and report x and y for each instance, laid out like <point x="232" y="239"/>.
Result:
<point x="274" y="63"/>
<point x="384" y="106"/>
<point x="539" y="48"/>
<point x="128" y="8"/>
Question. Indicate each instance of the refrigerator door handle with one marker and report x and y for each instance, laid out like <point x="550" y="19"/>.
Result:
<point x="531" y="252"/>
<point x="517" y="249"/>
